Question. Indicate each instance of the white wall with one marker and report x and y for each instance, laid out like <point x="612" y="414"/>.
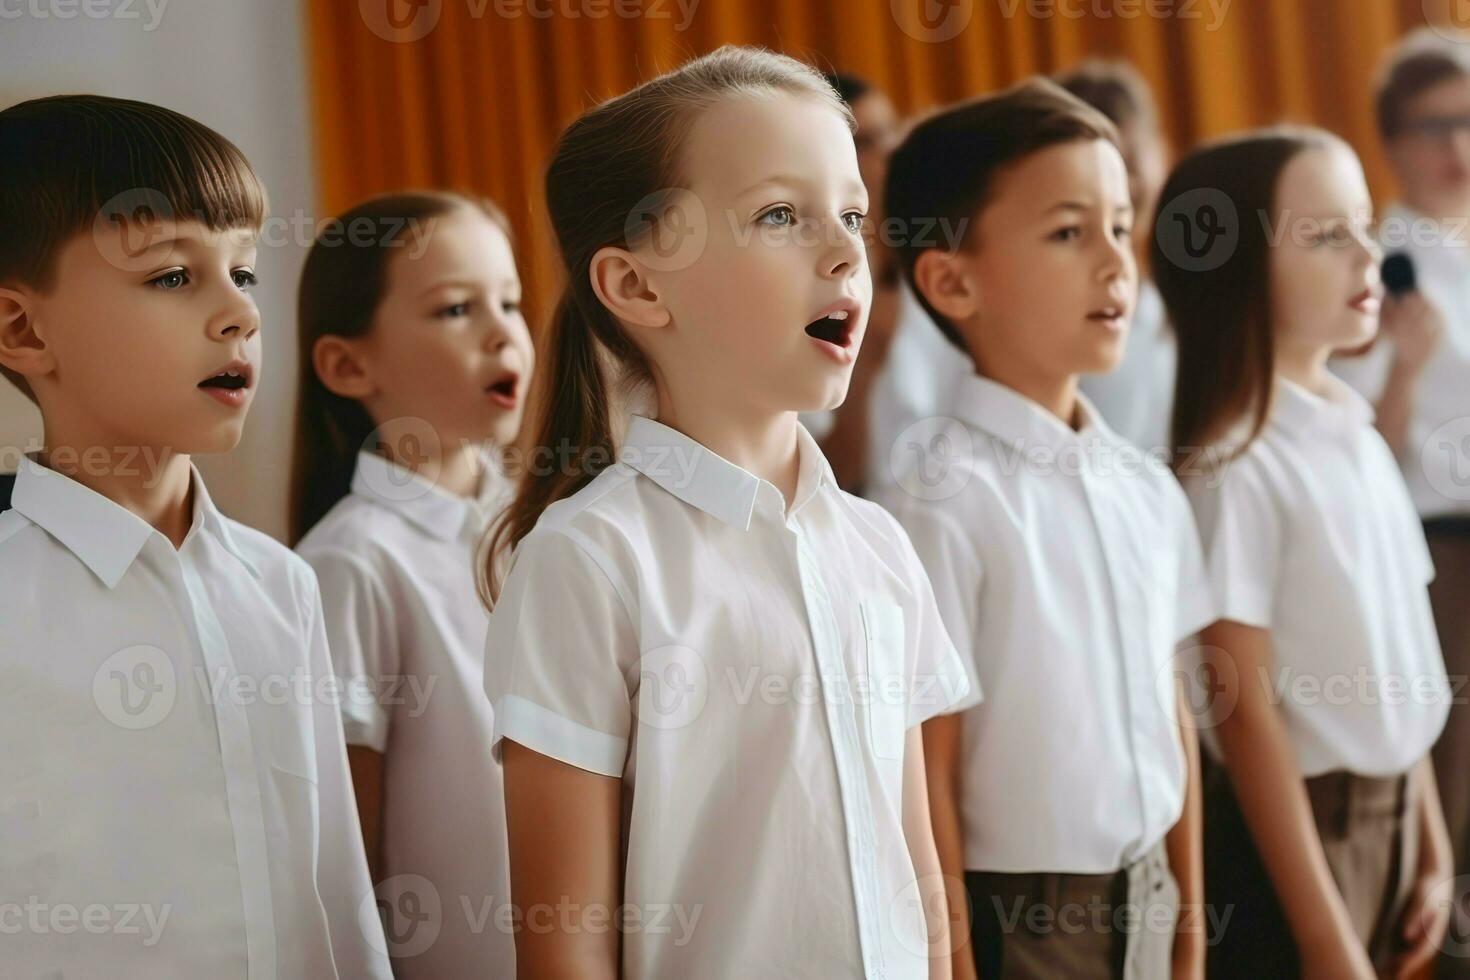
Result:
<point x="239" y="67"/>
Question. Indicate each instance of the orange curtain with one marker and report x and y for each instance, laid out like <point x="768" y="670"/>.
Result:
<point x="470" y="94"/>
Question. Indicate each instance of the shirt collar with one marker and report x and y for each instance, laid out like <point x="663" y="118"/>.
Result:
<point x="438" y="513"/>
<point x="1013" y="418"/>
<point x="703" y="479"/>
<point x="1298" y="410"/>
<point x="104" y="535"/>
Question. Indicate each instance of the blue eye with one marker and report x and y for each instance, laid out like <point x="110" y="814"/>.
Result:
<point x="171" y="280"/>
<point x="781" y="210"/>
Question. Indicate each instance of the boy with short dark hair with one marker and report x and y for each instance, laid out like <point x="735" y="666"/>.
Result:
<point x="174" y="795"/>
<point x="1065" y="562"/>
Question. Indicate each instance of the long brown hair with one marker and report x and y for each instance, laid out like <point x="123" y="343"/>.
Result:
<point x="613" y="169"/>
<point x="1220" y="304"/>
<point x="342" y="283"/>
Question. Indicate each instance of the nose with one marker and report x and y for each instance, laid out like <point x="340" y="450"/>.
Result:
<point x="1117" y="256"/>
<point x="236" y="319"/>
<point x="1369" y="255"/>
<point x="1460" y="146"/>
<point x="498" y="331"/>
<point x="844" y="252"/>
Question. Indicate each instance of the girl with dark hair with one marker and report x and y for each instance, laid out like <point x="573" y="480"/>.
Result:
<point x="1323" y="829"/>
<point x="414" y="362"/>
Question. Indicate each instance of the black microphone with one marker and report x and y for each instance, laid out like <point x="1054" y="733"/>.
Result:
<point x="1398" y="274"/>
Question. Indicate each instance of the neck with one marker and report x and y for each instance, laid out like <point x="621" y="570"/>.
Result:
<point x="1058" y="395"/>
<point x="763" y="444"/>
<point x="1306" y="366"/>
<point x="155" y="485"/>
<point x="456" y="470"/>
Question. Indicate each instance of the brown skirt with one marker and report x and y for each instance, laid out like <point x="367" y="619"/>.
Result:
<point x="1371" y="849"/>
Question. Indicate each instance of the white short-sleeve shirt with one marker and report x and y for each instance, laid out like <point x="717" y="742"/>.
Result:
<point x="1310" y="534"/>
<point x="406" y="627"/>
<point x="1067" y="568"/>
<point x="1435" y="460"/>
<point x="174" y="793"/>
<point x="750" y="674"/>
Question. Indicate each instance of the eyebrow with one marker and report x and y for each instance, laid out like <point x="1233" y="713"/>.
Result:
<point x="187" y="243"/>
<point x="463" y="284"/>
<point x="789" y="180"/>
<point x="1080" y="206"/>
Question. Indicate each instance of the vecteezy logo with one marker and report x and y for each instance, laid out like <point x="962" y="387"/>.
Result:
<point x="1445" y="459"/>
<point x="1198" y="230"/>
<point x="1207" y="679"/>
<point x="672" y="223"/>
<point x="405" y="911"/>
<point x="400" y="21"/>
<point x="128" y="226"/>
<point x="1450" y="19"/>
<point x="932" y="21"/>
<point x="135" y="687"/>
<point x="925" y="459"/>
<point x="673" y="687"/>
<point x="410" y="442"/>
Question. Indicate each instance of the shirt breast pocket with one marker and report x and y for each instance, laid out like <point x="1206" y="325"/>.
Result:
<point x="887" y="679"/>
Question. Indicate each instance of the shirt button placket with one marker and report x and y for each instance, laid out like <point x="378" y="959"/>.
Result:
<point x="847" y="753"/>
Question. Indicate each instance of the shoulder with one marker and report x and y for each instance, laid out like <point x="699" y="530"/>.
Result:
<point x="277" y="565"/>
<point x="351" y="523"/>
<point x="11" y="525"/>
<point x="593" y="528"/>
<point x="356" y="535"/>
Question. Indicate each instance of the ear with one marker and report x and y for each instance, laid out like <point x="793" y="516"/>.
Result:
<point x="342" y="368"/>
<point x="22" y="348"/>
<point x="941" y="279"/>
<point x="623" y="285"/>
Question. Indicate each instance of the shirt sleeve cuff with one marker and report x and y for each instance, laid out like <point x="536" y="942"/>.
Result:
<point x="1247" y="604"/>
<point x="367" y="727"/>
<point x="1197" y="610"/>
<point x="950" y="689"/>
<point x="550" y="734"/>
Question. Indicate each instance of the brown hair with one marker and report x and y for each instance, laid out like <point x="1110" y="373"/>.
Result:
<point x="1220" y="308"/>
<point x="1416" y="64"/>
<point x="66" y="158"/>
<point x="947" y="168"/>
<point x="343" y="281"/>
<point x="1112" y="87"/>
<point x="607" y="183"/>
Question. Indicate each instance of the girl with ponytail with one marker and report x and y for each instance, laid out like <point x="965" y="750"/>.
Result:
<point x="707" y="663"/>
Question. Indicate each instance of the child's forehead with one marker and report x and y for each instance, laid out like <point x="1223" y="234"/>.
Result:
<point x="1090" y="173"/>
<point x="465" y="248"/>
<point x="1327" y="179"/>
<point x="137" y="244"/>
<point x="744" y="141"/>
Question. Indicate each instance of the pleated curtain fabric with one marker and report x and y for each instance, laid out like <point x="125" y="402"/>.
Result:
<point x="470" y="94"/>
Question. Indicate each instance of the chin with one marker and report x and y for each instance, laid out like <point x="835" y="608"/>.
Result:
<point x="831" y="397"/>
<point x="222" y="440"/>
<point x="1354" y="335"/>
<point x="505" y="430"/>
<point x="1102" y="359"/>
